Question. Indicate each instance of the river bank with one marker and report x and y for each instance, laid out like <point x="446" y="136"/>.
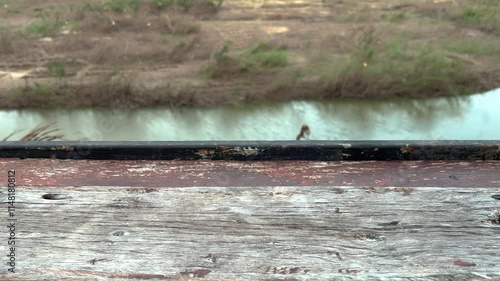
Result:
<point x="126" y="53"/>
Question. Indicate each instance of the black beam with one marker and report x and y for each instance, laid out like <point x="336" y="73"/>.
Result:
<point x="257" y="150"/>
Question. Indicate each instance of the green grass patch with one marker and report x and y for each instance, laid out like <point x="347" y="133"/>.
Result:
<point x="44" y="28"/>
<point x="48" y="24"/>
<point x="56" y="69"/>
<point x="396" y="68"/>
<point x="473" y="15"/>
<point x="167" y="37"/>
<point x="250" y="60"/>
<point x="121" y="5"/>
<point x="118" y="6"/>
<point x="163" y="3"/>
<point x="222" y="54"/>
<point x="216" y="3"/>
<point x="13" y="11"/>
<point x="263" y="56"/>
<point x="476" y="47"/>
<point x="40" y="94"/>
<point x="43" y="91"/>
<point x="484" y="14"/>
<point x="186" y="4"/>
<point x="396" y="17"/>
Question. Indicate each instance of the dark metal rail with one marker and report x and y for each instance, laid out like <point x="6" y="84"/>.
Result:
<point x="257" y="150"/>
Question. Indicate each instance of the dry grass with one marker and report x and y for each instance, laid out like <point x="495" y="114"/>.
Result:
<point x="111" y="38"/>
<point x="482" y="14"/>
<point x="121" y="93"/>
<point x="420" y="49"/>
<point x="393" y="67"/>
<point x="6" y="42"/>
<point x="42" y="132"/>
<point x="180" y="25"/>
<point x="143" y="19"/>
<point x="117" y="88"/>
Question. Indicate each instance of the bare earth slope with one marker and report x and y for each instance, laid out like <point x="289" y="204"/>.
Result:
<point x="202" y="53"/>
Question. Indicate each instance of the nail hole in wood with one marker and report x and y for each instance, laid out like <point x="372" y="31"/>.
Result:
<point x="494" y="218"/>
<point x="55" y="196"/>
<point x="211" y="258"/>
<point x="496" y="196"/>
<point x="392" y="223"/>
<point x="118" y="233"/>
<point x="94" y="261"/>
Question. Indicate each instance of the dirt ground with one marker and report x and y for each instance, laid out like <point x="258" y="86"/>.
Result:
<point x="73" y="53"/>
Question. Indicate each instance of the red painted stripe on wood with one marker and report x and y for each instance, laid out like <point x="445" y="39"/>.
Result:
<point x="153" y="174"/>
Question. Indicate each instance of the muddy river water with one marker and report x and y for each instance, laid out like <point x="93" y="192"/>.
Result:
<point x="476" y="117"/>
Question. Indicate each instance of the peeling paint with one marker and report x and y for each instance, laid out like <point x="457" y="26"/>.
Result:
<point x="158" y="173"/>
<point x="463" y="263"/>
<point x="199" y="273"/>
<point x="246" y="151"/>
<point x="205" y="153"/>
<point x="64" y="148"/>
<point x="146" y="168"/>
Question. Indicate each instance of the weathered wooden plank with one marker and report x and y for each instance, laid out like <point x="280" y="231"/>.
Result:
<point x="56" y="174"/>
<point x="224" y="232"/>
<point x="269" y="230"/>
<point x="257" y="150"/>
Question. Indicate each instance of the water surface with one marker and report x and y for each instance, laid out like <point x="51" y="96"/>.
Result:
<point x="475" y="117"/>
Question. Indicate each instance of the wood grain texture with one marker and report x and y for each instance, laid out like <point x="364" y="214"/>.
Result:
<point x="316" y="230"/>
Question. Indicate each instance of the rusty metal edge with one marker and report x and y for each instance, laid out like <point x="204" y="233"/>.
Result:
<point x="256" y="150"/>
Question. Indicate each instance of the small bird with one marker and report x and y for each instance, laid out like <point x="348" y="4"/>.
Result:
<point x="304" y="132"/>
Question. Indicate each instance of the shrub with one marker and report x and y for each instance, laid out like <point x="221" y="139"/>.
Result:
<point x="163" y="3"/>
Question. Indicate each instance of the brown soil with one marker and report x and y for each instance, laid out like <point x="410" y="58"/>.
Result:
<point x="152" y="56"/>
